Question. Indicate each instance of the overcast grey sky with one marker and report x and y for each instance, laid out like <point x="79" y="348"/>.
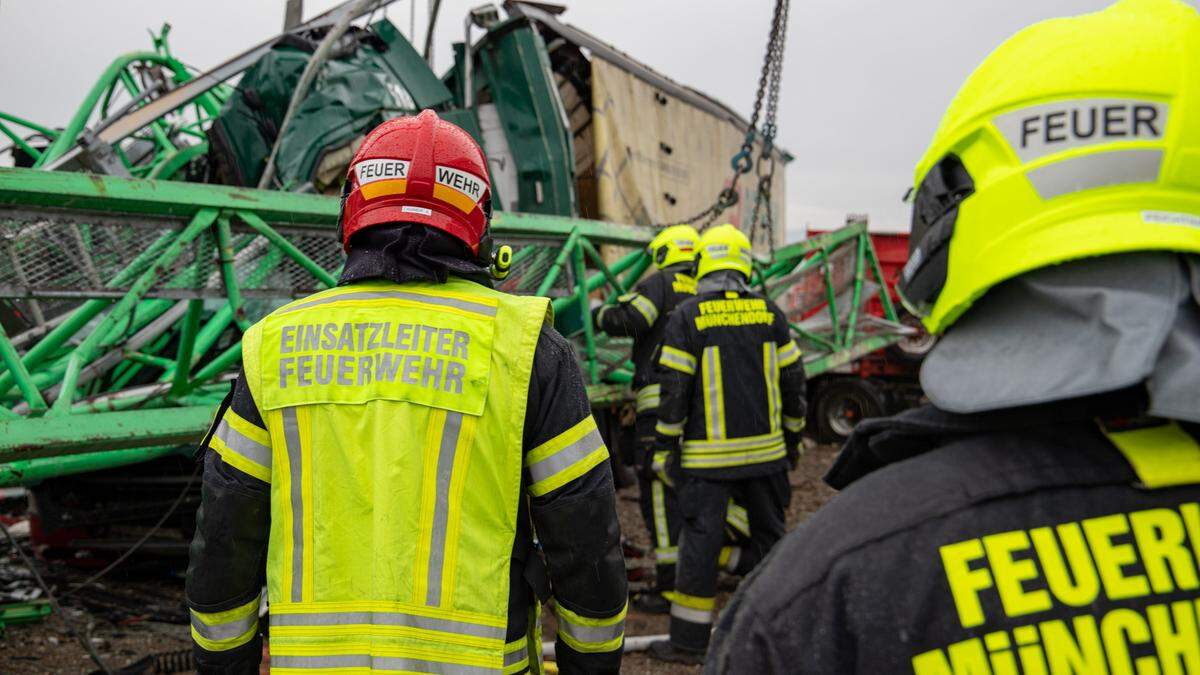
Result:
<point x="864" y="84"/>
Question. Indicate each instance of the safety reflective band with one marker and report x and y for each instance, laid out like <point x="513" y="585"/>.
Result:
<point x="222" y="631"/>
<point x="729" y="558"/>
<point x="454" y="630"/>
<point x="678" y="359"/>
<point x="788" y="354"/>
<point x="771" y="375"/>
<point x="691" y="607"/>
<point x="714" y="394"/>
<point x="516" y="656"/>
<point x="737" y="518"/>
<point x="447" y="445"/>
<point x="733" y="452"/>
<point x="1095" y="170"/>
<point x="372" y="662"/>
<point x="1162" y="456"/>
<point x="666" y="556"/>
<point x="475" y="305"/>
<point x="600" y="314"/>
<point x="668" y="428"/>
<point x="243" y="445"/>
<point x="643" y="305"/>
<point x="565" y="457"/>
<point x="588" y="635"/>
<point x="794" y="424"/>
<point x="662" y="535"/>
<point x="297" y="478"/>
<point x="648" y="397"/>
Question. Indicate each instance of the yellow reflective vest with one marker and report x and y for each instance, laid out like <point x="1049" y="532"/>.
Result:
<point x="395" y="416"/>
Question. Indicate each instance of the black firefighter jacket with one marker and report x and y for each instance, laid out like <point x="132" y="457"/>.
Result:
<point x="1028" y="541"/>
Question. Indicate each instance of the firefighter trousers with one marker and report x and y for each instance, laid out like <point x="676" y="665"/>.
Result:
<point x="659" y="506"/>
<point x="702" y="547"/>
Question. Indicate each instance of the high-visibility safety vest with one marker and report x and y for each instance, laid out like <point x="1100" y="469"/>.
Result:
<point x="395" y="415"/>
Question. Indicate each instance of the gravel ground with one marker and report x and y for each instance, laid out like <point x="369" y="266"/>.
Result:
<point x="124" y="636"/>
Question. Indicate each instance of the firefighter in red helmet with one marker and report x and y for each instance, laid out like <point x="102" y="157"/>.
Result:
<point x="368" y="468"/>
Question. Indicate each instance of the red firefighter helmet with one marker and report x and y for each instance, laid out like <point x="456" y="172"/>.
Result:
<point x="418" y="170"/>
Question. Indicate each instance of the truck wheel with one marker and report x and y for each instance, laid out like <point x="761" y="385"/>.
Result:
<point x="842" y="404"/>
<point x="912" y="348"/>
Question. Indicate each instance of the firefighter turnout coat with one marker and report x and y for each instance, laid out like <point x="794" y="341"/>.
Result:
<point x="379" y="465"/>
<point x="1036" y="541"/>
<point x="732" y="384"/>
<point x="642" y="314"/>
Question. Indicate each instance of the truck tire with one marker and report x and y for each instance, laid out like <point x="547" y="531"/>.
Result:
<point x="841" y="404"/>
<point x="912" y="349"/>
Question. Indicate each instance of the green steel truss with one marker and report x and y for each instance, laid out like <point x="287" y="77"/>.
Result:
<point x="125" y="301"/>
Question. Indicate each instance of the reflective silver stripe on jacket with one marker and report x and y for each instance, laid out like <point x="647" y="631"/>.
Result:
<point x="645" y="308"/>
<point x="648" y="397"/>
<point x="291" y="436"/>
<point x="243" y="445"/>
<point x="457" y="303"/>
<point x="521" y="653"/>
<point x="441" y="508"/>
<point x="376" y="663"/>
<point x="733" y="444"/>
<point x="564" y="458"/>
<point x="590" y="634"/>
<point x="227" y="630"/>
<point x="388" y="619"/>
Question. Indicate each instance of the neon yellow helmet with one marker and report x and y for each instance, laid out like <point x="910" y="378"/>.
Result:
<point x="723" y="248"/>
<point x="674" y="244"/>
<point x="1077" y="137"/>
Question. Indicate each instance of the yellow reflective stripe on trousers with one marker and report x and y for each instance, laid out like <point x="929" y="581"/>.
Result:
<point x="222" y="631"/>
<point x="737" y="518"/>
<point x="243" y="445"/>
<point x="565" y="457"/>
<point x="1162" y="456"/>
<point x="771" y="380"/>
<point x="677" y="359"/>
<point x="729" y="558"/>
<point x="664" y="552"/>
<point x="692" y="608"/>
<point x="648" y="397"/>
<point x="789" y="354"/>
<point x="714" y="393"/>
<point x="588" y="635"/>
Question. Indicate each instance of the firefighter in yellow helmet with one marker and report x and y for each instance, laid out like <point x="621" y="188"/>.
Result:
<point x="393" y="445"/>
<point x="1043" y="514"/>
<point x="730" y="417"/>
<point x="642" y="315"/>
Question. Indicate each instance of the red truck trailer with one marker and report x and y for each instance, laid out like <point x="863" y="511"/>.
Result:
<point x="883" y="382"/>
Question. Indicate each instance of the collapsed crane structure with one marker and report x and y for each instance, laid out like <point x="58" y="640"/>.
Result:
<point x="137" y="247"/>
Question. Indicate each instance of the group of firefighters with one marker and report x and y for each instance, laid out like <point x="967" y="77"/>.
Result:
<point x="414" y="510"/>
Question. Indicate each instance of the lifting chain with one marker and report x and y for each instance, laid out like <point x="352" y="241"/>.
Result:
<point x="743" y="162"/>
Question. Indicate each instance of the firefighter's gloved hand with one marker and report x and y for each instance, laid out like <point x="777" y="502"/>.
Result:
<point x="659" y="465"/>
